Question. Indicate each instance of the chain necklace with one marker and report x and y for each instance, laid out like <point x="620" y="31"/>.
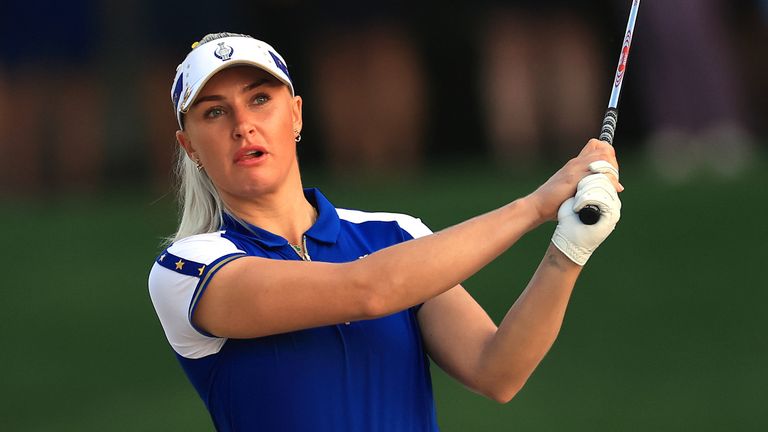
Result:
<point x="301" y="249"/>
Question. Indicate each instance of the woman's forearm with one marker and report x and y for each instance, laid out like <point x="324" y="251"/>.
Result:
<point x="529" y="328"/>
<point x="415" y="271"/>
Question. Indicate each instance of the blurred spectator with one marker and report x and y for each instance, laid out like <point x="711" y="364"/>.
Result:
<point x="750" y="22"/>
<point x="369" y="87"/>
<point x="693" y="98"/>
<point x="53" y="124"/>
<point x="157" y="53"/>
<point x="762" y="69"/>
<point x="540" y="81"/>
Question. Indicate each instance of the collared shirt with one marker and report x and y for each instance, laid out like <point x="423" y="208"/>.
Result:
<point x="370" y="375"/>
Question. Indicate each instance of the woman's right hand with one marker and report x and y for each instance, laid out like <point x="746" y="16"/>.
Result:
<point x="562" y="185"/>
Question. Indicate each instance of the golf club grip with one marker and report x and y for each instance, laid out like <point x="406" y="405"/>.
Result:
<point x="590" y="214"/>
<point x="609" y="125"/>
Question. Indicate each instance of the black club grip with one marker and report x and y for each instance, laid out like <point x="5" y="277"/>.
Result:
<point x="590" y="214"/>
<point x="609" y="125"/>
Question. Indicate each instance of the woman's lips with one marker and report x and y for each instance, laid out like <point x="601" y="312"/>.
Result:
<point x="250" y="155"/>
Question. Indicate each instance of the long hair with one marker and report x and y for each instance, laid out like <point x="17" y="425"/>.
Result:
<point x="201" y="205"/>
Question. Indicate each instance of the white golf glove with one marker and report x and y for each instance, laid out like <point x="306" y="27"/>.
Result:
<point x="576" y="240"/>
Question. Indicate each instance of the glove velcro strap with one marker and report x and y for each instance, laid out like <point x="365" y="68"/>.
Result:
<point x="575" y="253"/>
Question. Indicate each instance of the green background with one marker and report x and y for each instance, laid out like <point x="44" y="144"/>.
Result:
<point x="665" y="331"/>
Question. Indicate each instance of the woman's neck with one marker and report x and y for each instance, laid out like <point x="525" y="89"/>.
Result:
<point x="286" y="213"/>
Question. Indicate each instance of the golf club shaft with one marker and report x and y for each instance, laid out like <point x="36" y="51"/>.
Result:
<point x="590" y="214"/>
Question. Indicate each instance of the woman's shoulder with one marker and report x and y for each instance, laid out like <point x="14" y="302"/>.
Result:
<point x="413" y="225"/>
<point x="203" y="248"/>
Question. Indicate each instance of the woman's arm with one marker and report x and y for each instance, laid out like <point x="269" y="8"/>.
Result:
<point x="253" y="297"/>
<point x="496" y="362"/>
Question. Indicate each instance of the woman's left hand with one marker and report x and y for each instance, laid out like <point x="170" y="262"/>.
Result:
<point x="562" y="185"/>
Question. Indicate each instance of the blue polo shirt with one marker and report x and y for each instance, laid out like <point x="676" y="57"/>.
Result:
<point x="370" y="375"/>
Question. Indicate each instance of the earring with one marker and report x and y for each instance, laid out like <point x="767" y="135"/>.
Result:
<point x="298" y="135"/>
<point x="198" y="165"/>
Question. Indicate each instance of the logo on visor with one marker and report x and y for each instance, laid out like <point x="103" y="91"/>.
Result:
<point x="223" y="52"/>
<point x="177" y="91"/>
<point x="187" y="94"/>
<point x="279" y="63"/>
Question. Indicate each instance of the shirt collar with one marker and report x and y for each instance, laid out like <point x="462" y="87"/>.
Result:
<point x="325" y="229"/>
<point x="327" y="226"/>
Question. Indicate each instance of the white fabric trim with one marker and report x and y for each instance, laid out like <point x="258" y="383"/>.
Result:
<point x="413" y="226"/>
<point x="172" y="293"/>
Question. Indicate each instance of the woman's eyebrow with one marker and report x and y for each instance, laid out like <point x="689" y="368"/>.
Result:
<point x="207" y="99"/>
<point x="245" y="89"/>
<point x="254" y="84"/>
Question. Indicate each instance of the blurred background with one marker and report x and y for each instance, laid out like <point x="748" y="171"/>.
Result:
<point x="438" y="110"/>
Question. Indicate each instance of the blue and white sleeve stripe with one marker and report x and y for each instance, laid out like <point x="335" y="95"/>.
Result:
<point x="206" y="273"/>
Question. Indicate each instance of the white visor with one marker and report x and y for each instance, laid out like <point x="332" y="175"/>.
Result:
<point x="206" y="59"/>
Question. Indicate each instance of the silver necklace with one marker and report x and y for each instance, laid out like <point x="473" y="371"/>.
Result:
<point x="301" y="249"/>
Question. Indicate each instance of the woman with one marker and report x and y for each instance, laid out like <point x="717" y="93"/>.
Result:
<point x="289" y="314"/>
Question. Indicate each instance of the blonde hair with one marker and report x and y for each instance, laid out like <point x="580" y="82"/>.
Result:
<point x="201" y="206"/>
<point x="200" y="203"/>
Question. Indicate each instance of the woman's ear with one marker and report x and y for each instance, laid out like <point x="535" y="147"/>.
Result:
<point x="296" y="114"/>
<point x="184" y="142"/>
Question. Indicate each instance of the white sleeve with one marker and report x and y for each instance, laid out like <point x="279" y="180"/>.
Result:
<point x="177" y="280"/>
<point x="413" y="226"/>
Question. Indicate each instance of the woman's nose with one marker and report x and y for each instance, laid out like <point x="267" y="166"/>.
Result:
<point x="243" y="125"/>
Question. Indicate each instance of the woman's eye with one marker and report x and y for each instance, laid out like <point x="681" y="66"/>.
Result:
<point x="260" y="99"/>
<point x="214" y="112"/>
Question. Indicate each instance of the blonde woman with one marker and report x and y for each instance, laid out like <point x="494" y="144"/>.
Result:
<point x="289" y="314"/>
